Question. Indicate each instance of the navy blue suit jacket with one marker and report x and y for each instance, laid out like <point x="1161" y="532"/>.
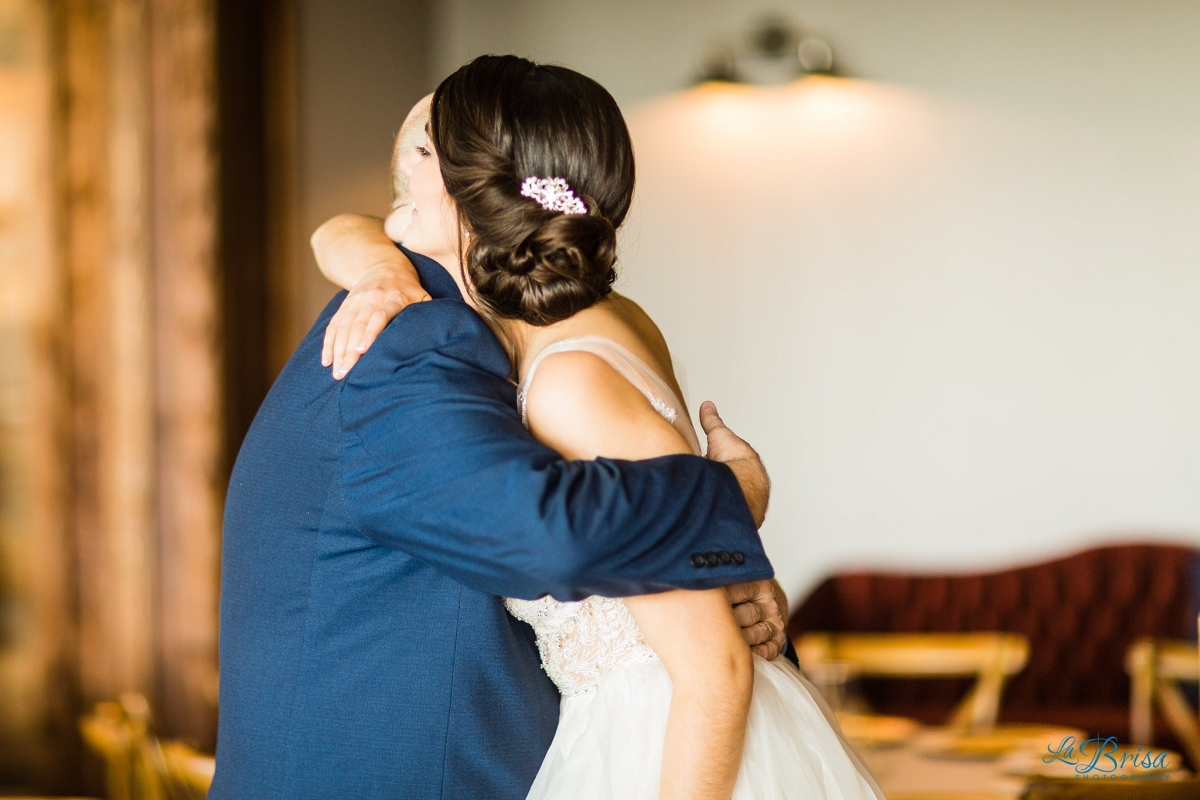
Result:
<point x="371" y="526"/>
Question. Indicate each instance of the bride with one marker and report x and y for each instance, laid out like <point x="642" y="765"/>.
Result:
<point x="518" y="184"/>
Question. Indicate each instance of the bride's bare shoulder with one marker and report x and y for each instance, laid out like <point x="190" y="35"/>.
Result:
<point x="641" y="323"/>
<point x="625" y="322"/>
<point x="648" y="333"/>
<point x="581" y="406"/>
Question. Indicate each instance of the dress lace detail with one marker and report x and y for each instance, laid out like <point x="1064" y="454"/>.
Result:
<point x="583" y="642"/>
<point x="659" y="405"/>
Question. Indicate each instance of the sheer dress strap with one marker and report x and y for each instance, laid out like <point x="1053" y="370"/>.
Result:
<point x="632" y="368"/>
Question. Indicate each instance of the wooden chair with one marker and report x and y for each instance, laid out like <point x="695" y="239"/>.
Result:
<point x="137" y="765"/>
<point x="189" y="771"/>
<point x="110" y="733"/>
<point x="991" y="658"/>
<point x="1156" y="667"/>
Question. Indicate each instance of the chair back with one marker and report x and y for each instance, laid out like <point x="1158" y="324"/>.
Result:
<point x="991" y="658"/>
<point x="116" y="735"/>
<point x="137" y="765"/>
<point x="189" y="772"/>
<point x="1156" y="667"/>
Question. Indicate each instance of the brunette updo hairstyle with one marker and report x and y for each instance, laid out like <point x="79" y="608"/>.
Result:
<point x="501" y="119"/>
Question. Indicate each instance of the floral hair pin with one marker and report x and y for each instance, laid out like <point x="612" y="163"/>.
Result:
<point x="553" y="194"/>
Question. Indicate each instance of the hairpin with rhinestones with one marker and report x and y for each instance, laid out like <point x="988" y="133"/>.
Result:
<point x="553" y="194"/>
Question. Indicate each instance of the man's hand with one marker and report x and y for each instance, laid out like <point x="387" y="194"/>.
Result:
<point x="761" y="610"/>
<point x="727" y="447"/>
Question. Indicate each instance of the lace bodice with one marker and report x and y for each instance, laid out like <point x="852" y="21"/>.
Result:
<point x="583" y="642"/>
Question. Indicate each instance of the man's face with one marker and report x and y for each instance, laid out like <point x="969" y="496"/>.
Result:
<point x="411" y="135"/>
<point x="433" y="228"/>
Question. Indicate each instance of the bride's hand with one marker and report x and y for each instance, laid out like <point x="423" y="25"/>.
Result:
<point x="355" y="253"/>
<point x="375" y="299"/>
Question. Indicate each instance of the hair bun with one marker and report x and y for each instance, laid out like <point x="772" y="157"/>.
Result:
<point x="519" y="144"/>
<point x="562" y="266"/>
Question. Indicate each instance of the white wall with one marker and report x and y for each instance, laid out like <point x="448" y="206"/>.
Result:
<point x="954" y="302"/>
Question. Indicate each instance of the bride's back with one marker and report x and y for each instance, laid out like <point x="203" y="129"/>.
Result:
<point x="623" y="321"/>
<point x="600" y="384"/>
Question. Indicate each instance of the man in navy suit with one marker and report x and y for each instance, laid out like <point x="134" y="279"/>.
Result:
<point x="372" y="526"/>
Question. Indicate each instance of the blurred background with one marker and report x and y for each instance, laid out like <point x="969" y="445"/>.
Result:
<point x="943" y="271"/>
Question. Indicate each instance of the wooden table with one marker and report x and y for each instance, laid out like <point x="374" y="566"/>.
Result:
<point x="906" y="771"/>
<point x="923" y="766"/>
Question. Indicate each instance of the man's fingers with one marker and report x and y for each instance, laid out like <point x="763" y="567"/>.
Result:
<point x="766" y="630"/>
<point x="727" y="447"/>
<point x="747" y="615"/>
<point x="742" y="592"/>
<point x="761" y="592"/>
<point x="780" y="641"/>
<point x="753" y="605"/>
<point x="710" y="420"/>
<point x="781" y="600"/>
<point x="768" y="650"/>
<point x="723" y="444"/>
<point x="761" y="615"/>
<point x="760" y="633"/>
<point x="766" y="639"/>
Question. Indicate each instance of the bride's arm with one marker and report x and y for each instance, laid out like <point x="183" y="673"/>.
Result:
<point x="584" y="409"/>
<point x="353" y="252"/>
<point x="712" y="677"/>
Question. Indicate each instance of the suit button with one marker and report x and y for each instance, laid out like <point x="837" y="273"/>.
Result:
<point x="712" y="559"/>
<point x="698" y="560"/>
<point x="738" y="558"/>
<point x="725" y="557"/>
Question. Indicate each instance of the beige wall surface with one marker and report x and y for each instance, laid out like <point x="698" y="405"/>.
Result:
<point x="954" y="300"/>
<point x="361" y="64"/>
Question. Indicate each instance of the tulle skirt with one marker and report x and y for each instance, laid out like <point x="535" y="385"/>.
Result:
<point x="609" y="743"/>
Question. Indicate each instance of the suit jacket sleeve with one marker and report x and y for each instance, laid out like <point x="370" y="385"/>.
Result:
<point x="436" y="463"/>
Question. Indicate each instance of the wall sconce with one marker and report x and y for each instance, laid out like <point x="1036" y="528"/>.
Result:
<point x="774" y="52"/>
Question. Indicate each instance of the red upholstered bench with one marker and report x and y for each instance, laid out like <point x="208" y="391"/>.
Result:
<point x="1080" y="613"/>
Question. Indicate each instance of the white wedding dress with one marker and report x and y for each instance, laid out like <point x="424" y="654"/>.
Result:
<point x="616" y="694"/>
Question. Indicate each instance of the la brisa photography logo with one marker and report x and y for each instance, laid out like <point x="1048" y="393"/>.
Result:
<point x="1103" y="758"/>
